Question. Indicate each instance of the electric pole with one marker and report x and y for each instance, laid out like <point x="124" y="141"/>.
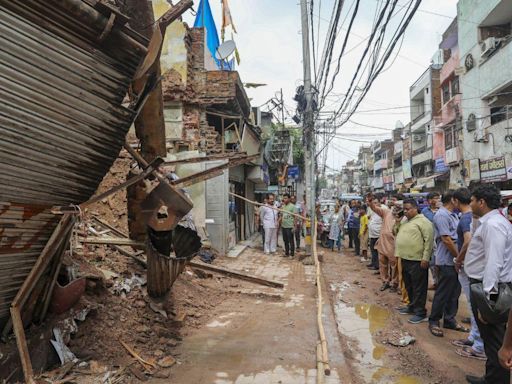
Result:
<point x="308" y="121"/>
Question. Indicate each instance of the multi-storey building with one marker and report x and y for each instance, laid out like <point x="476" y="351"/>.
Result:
<point x="485" y="35"/>
<point x="425" y="102"/>
<point x="382" y="155"/>
<point x="446" y="149"/>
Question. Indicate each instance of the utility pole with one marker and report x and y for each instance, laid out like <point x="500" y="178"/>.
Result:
<point x="308" y="122"/>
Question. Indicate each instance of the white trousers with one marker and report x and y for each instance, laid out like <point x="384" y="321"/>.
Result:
<point x="270" y="240"/>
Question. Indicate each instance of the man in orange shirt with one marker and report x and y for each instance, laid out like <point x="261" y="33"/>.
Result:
<point x="386" y="246"/>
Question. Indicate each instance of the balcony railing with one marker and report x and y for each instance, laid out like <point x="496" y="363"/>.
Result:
<point x="419" y="117"/>
<point x="417" y="151"/>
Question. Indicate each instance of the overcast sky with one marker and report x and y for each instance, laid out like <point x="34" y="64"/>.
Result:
<point x="270" y="46"/>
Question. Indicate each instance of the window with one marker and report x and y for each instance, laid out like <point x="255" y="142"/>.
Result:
<point x="498" y="114"/>
<point x="451" y="136"/>
<point x="455" y="86"/>
<point x="446" y="93"/>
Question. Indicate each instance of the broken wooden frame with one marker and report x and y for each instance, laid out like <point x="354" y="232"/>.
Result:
<point x="59" y="236"/>
<point x="206" y="267"/>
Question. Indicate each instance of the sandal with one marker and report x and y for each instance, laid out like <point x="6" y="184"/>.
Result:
<point x="457" y="327"/>
<point x="470" y="353"/>
<point x="462" y="343"/>
<point x="436" y="330"/>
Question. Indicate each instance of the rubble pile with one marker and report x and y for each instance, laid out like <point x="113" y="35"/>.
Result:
<point x="124" y="326"/>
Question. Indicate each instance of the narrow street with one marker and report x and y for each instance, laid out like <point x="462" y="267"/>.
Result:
<point x="268" y="337"/>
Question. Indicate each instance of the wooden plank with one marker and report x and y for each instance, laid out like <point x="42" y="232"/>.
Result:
<point x="112" y="241"/>
<point x="108" y="226"/>
<point x="237" y="275"/>
<point x="21" y="343"/>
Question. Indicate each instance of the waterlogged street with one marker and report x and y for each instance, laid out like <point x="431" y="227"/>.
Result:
<point x="266" y="335"/>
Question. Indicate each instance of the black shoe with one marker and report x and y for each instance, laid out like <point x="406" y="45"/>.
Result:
<point x="475" y="379"/>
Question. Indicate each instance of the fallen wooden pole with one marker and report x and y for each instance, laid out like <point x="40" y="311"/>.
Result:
<point x="134" y="256"/>
<point x="319" y="365"/>
<point x="112" y="241"/>
<point x="321" y="331"/>
<point x="237" y="275"/>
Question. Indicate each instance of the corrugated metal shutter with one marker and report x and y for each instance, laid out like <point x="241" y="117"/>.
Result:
<point x="61" y="124"/>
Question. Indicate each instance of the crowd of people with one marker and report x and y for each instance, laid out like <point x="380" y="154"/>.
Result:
<point x="460" y="243"/>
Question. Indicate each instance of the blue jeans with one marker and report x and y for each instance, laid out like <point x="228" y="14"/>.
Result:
<point x="474" y="335"/>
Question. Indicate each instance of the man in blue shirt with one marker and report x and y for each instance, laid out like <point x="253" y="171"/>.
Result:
<point x="446" y="298"/>
<point x="353" y="226"/>
<point x="473" y="346"/>
<point x="434" y="200"/>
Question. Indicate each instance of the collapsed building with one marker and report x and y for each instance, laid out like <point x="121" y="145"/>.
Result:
<point x="66" y="69"/>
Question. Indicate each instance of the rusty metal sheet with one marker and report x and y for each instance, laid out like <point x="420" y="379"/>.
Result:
<point x="62" y="121"/>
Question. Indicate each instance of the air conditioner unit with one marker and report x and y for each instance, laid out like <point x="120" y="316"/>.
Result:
<point x="417" y="137"/>
<point x="480" y="135"/>
<point x="488" y="46"/>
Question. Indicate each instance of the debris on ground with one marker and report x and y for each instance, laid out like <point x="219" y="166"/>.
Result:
<point x="399" y="339"/>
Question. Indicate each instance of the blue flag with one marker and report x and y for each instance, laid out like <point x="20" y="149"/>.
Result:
<point x="204" y="19"/>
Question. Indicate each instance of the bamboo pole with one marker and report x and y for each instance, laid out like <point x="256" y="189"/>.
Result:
<point x="321" y="331"/>
<point x="319" y="365"/>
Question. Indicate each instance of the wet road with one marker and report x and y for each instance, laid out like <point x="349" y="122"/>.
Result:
<point x="257" y="340"/>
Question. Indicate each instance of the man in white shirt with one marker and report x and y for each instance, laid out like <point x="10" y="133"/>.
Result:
<point x="269" y="219"/>
<point x="489" y="261"/>
<point x="374" y="226"/>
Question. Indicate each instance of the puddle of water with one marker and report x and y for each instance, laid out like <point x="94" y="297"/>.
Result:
<point x="280" y="374"/>
<point x="361" y="323"/>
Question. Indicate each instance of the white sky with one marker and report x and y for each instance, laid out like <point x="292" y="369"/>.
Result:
<point x="270" y="46"/>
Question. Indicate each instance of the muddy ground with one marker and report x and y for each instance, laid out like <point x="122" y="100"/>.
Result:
<point x="219" y="330"/>
<point x="368" y="320"/>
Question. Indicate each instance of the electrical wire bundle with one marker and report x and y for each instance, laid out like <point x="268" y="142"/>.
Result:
<point x="379" y="48"/>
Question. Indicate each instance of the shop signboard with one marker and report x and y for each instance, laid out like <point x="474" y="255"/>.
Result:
<point x="440" y="166"/>
<point x="493" y="170"/>
<point x="293" y="172"/>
